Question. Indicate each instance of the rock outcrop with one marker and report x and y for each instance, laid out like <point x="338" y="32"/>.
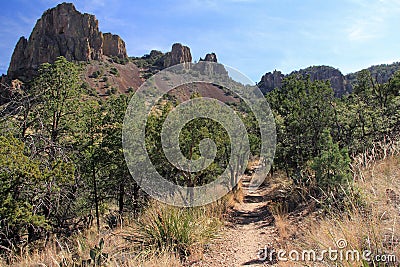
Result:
<point x="326" y="73"/>
<point x="155" y="53"/>
<point x="270" y="81"/>
<point x="3" y="80"/>
<point x="114" y="46"/>
<point x="211" y="69"/>
<point x="62" y="31"/>
<point x="273" y="80"/>
<point x="380" y="73"/>
<point x="212" y="57"/>
<point x="179" y="54"/>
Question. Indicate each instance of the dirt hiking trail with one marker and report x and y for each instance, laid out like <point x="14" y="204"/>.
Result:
<point x="250" y="228"/>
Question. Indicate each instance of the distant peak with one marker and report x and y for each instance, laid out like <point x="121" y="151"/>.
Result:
<point x="211" y="57"/>
<point x="63" y="6"/>
<point x="179" y="54"/>
<point x="63" y="31"/>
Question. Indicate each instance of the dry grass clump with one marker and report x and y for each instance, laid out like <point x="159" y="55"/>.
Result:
<point x="370" y="230"/>
<point x="56" y="252"/>
<point x="282" y="222"/>
<point x="162" y="236"/>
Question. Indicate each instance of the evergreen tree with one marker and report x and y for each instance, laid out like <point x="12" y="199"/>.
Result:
<point x="331" y="166"/>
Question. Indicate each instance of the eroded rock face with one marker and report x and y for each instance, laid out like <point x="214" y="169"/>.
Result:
<point x="62" y="31"/>
<point x="19" y="60"/>
<point x="270" y="81"/>
<point x="155" y="53"/>
<point x="179" y="54"/>
<point x="211" y="69"/>
<point x="273" y="80"/>
<point x="3" y="79"/>
<point x="212" y="57"/>
<point x="326" y="73"/>
<point x="114" y="46"/>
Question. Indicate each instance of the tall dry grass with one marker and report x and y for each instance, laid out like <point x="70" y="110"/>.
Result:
<point x="372" y="228"/>
<point x="161" y="236"/>
<point x="369" y="220"/>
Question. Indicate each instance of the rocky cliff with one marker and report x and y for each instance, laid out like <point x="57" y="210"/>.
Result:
<point x="381" y="73"/>
<point x="326" y="73"/>
<point x="212" y="57"/>
<point x="179" y="54"/>
<point x="114" y="46"/>
<point x="211" y="69"/>
<point x="338" y="81"/>
<point x="270" y="81"/>
<point x="62" y="31"/>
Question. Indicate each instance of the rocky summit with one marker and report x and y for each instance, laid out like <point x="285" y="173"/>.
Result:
<point x="340" y="86"/>
<point x="212" y="57"/>
<point x="63" y="31"/>
<point x="179" y="54"/>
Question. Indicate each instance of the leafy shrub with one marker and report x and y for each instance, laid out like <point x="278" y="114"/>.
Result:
<point x="96" y="74"/>
<point x="118" y="60"/>
<point x="84" y="85"/>
<point x="114" y="71"/>
<point x="332" y="170"/>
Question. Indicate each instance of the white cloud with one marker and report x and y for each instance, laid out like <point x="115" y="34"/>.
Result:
<point x="364" y="29"/>
<point x="372" y="19"/>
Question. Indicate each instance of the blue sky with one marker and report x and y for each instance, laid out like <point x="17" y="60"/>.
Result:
<point x="253" y="36"/>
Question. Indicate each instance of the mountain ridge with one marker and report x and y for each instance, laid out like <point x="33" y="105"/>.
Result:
<point x="64" y="31"/>
<point x="341" y="84"/>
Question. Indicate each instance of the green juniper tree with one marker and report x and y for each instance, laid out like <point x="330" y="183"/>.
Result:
<point x="302" y="109"/>
<point x="331" y="166"/>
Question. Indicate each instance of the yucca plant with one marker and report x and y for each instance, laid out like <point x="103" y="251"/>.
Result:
<point x="181" y="230"/>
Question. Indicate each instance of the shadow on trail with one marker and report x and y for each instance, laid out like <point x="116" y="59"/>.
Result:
<point x="261" y="214"/>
